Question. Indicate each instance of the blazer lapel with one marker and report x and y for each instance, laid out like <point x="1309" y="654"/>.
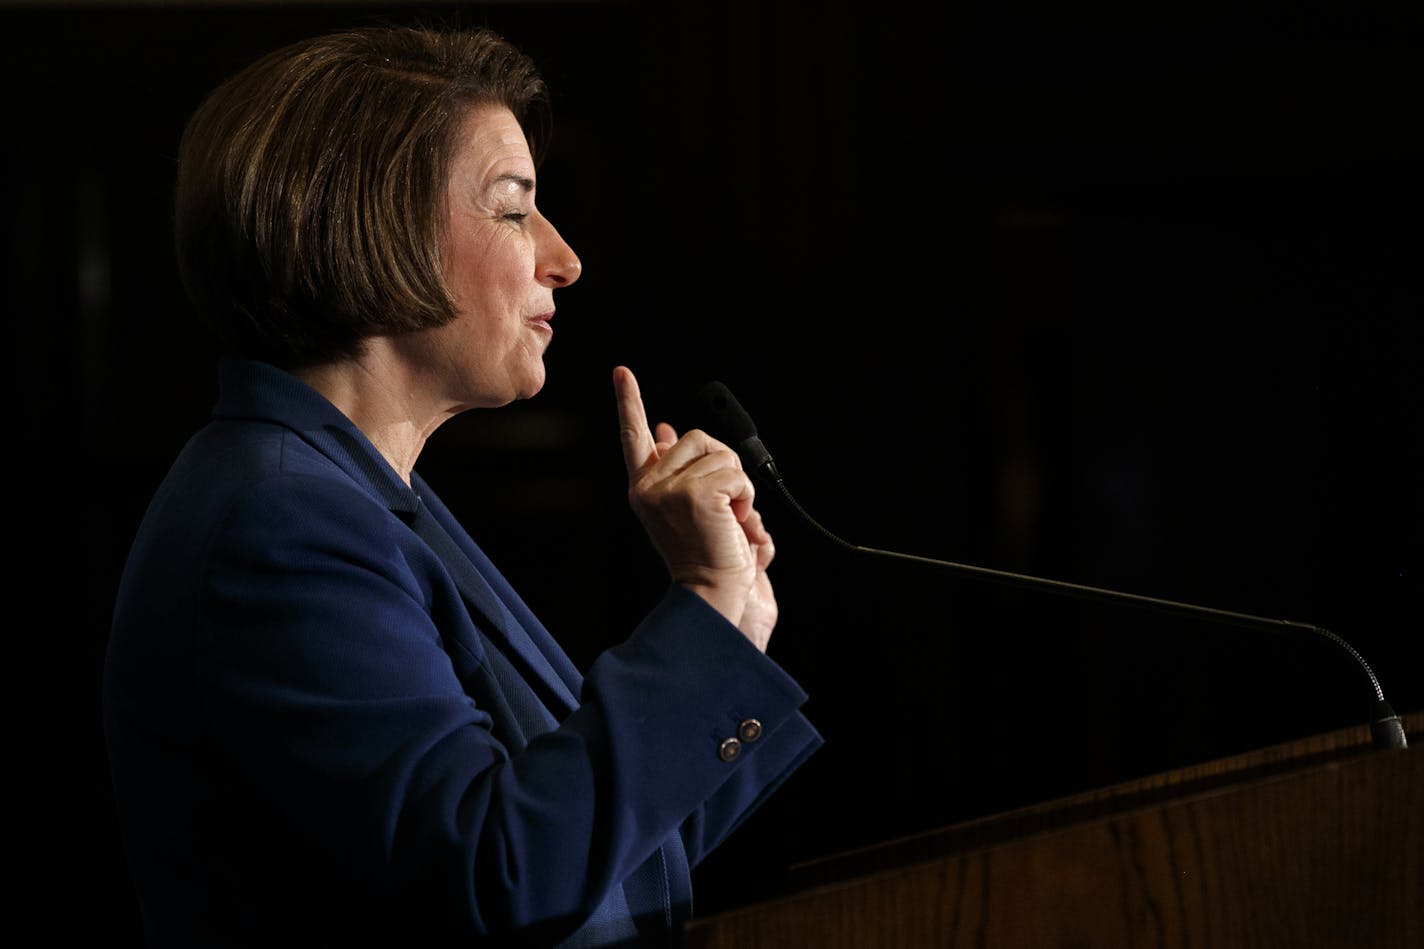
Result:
<point x="500" y="624"/>
<point x="258" y="390"/>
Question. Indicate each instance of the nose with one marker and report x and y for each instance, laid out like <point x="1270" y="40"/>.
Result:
<point x="556" y="265"/>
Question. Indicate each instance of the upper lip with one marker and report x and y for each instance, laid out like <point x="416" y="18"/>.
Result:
<point x="543" y="317"/>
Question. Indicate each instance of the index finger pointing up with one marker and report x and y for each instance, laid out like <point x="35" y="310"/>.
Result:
<point x="638" y="445"/>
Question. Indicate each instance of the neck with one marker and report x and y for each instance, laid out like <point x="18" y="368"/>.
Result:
<point x="385" y="398"/>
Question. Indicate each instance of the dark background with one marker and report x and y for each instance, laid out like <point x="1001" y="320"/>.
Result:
<point x="1123" y="297"/>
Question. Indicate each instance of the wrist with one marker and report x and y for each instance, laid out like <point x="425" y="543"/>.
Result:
<point x="726" y="599"/>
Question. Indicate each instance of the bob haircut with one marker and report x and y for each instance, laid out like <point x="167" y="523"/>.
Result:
<point x="310" y="196"/>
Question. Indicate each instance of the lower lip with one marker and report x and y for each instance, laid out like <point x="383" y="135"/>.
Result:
<point x="542" y="325"/>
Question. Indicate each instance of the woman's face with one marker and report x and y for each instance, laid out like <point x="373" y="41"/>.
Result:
<point x="502" y="263"/>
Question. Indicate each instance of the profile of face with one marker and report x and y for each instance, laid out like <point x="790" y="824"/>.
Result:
<point x="502" y="261"/>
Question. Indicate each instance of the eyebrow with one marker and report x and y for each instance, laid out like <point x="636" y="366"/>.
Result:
<point x="526" y="183"/>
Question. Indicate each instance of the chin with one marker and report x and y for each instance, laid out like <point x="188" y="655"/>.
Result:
<point x="492" y="389"/>
<point x="530" y="387"/>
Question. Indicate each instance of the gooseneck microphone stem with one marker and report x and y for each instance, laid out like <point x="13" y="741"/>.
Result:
<point x="732" y="424"/>
<point x="1386" y="729"/>
<point x="1082" y="591"/>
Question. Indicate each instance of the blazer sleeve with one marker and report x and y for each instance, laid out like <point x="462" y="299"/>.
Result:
<point x="331" y="697"/>
<point x="753" y="718"/>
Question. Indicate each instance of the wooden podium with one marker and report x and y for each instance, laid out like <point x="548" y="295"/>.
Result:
<point x="1315" y="844"/>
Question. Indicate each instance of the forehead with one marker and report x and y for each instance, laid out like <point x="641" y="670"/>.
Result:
<point x="488" y="142"/>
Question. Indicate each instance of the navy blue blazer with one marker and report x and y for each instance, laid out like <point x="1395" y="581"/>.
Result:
<point x="331" y="721"/>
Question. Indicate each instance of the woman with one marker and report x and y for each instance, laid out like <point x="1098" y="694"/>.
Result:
<point x="330" y="720"/>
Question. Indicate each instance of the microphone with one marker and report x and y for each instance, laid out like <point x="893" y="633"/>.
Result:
<point x="731" y="424"/>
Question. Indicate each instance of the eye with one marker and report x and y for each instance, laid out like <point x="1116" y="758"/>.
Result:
<point x="516" y="216"/>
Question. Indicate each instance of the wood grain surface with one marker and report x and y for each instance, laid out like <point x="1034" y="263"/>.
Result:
<point x="1318" y="843"/>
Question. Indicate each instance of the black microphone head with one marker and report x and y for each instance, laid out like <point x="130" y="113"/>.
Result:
<point x="729" y="423"/>
<point x="726" y="420"/>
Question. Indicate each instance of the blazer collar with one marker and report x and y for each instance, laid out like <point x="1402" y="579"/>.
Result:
<point x="256" y="390"/>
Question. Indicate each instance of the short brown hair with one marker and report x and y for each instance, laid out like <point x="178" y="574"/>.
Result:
<point x="310" y="198"/>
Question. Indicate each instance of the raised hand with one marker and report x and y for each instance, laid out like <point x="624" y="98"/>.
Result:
<point x="759" y="616"/>
<point x="696" y="503"/>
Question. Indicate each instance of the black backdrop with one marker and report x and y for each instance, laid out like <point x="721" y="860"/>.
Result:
<point x="1121" y="297"/>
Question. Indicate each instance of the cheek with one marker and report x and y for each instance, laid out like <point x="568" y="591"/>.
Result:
<point x="494" y="279"/>
<point x="469" y="248"/>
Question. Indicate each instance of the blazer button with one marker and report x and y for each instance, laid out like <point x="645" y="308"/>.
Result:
<point x="749" y="731"/>
<point x="729" y="749"/>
